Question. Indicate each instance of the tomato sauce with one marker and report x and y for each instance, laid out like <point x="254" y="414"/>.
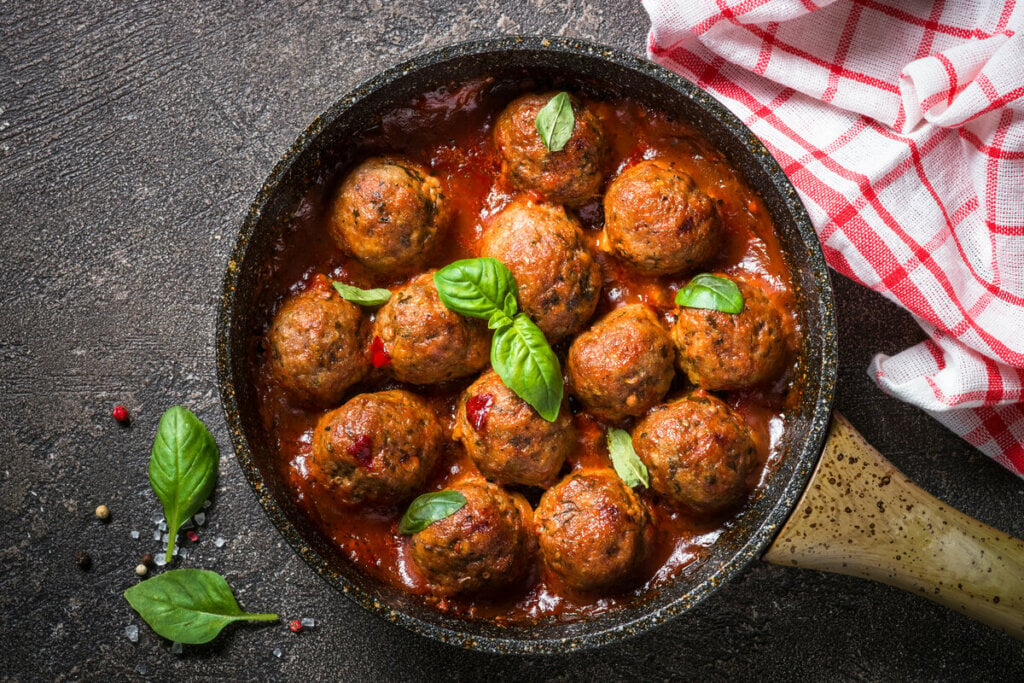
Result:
<point x="449" y="131"/>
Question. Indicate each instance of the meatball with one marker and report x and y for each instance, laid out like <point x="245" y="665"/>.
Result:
<point x="622" y="365"/>
<point x="571" y="175"/>
<point x="730" y="351"/>
<point x="427" y="342"/>
<point x="388" y="214"/>
<point x="558" y="279"/>
<point x="316" y="343"/>
<point x="377" y="448"/>
<point x="658" y="221"/>
<point x="698" y="451"/>
<point x="594" y="531"/>
<point x="487" y="543"/>
<point x="506" y="438"/>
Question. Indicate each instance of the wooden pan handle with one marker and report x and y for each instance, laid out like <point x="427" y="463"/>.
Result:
<point x="861" y="516"/>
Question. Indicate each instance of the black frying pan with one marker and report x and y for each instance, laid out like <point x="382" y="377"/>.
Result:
<point x="568" y="64"/>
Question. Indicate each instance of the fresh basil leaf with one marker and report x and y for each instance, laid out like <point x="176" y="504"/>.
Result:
<point x="498" y="320"/>
<point x="711" y="292"/>
<point x="526" y="364"/>
<point x="555" y="122"/>
<point x="183" y="468"/>
<point x="430" y="508"/>
<point x="476" y="287"/>
<point x="188" y="605"/>
<point x="511" y="305"/>
<point x="363" y="297"/>
<point x="626" y="462"/>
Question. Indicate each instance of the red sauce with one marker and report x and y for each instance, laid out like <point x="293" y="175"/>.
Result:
<point x="449" y="131"/>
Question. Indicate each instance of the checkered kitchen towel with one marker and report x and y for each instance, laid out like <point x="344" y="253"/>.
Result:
<point x="901" y="123"/>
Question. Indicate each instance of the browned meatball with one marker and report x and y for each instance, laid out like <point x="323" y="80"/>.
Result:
<point x="559" y="281"/>
<point x="698" y="452"/>
<point x="426" y="341"/>
<point x="377" y="448"/>
<point x="594" y="531"/>
<point x="622" y="365"/>
<point x="488" y="543"/>
<point x="730" y="351"/>
<point x="388" y="214"/>
<point x="571" y="175"/>
<point x="506" y="438"/>
<point x="657" y="220"/>
<point x="316" y="343"/>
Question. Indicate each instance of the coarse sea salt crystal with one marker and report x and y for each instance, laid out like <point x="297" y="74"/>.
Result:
<point x="157" y="518"/>
<point x="176" y="648"/>
<point x="200" y="518"/>
<point x="165" y="538"/>
<point x="132" y="631"/>
<point x="162" y="526"/>
<point x="219" y="542"/>
<point x="160" y="560"/>
<point x="277" y="652"/>
<point x="156" y="534"/>
<point x="307" y="622"/>
<point x="206" y="504"/>
<point x="141" y="670"/>
<point x="135" y="534"/>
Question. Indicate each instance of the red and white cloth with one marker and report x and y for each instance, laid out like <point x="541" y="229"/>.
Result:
<point x="901" y="123"/>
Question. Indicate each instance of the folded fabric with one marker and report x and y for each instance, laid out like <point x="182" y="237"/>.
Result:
<point x="901" y="124"/>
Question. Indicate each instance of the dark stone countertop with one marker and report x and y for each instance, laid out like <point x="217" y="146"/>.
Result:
<point x="131" y="143"/>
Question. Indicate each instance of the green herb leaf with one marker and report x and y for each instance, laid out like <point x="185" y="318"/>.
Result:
<point x="712" y="292"/>
<point x="430" y="508"/>
<point x="476" y="287"/>
<point x="498" y="320"/>
<point x="511" y="305"/>
<point x="188" y="605"/>
<point x="626" y="462"/>
<point x="182" y="468"/>
<point x="526" y="364"/>
<point x="363" y="297"/>
<point x="555" y="122"/>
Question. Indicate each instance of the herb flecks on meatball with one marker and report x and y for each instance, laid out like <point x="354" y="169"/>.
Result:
<point x="594" y="531"/>
<point x="659" y="221"/>
<point x="486" y="544"/>
<point x="699" y="453"/>
<point x="388" y="214"/>
<point x="377" y="448"/>
<point x="558" y="279"/>
<point x="569" y="176"/>
<point x="424" y="340"/>
<point x="316" y="344"/>
<point x="507" y="439"/>
<point x="623" y="364"/>
<point x="722" y="351"/>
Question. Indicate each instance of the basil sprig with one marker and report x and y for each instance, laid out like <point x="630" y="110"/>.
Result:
<point x="484" y="288"/>
<point x="555" y="122"/>
<point x="188" y="606"/>
<point x="183" y="468"/>
<point x="626" y="462"/>
<point x="479" y="287"/>
<point x="711" y="292"/>
<point x="429" y="508"/>
<point x="363" y="297"/>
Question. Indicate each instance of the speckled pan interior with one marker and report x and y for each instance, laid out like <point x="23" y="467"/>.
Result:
<point x="566" y="64"/>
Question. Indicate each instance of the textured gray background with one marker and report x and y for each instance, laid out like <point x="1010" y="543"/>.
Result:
<point x="131" y="142"/>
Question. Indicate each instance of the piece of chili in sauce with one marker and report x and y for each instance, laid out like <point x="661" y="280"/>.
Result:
<point x="448" y="130"/>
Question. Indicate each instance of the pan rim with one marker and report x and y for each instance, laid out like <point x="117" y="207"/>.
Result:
<point x="758" y="541"/>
